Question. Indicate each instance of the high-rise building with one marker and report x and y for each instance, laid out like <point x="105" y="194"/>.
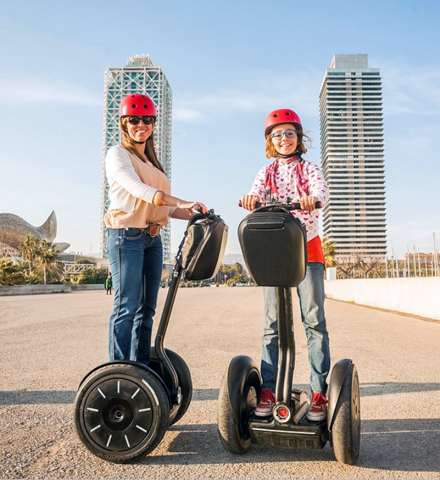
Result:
<point x="352" y="153"/>
<point x="138" y="76"/>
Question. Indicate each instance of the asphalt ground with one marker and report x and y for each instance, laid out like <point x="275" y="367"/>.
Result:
<point x="49" y="342"/>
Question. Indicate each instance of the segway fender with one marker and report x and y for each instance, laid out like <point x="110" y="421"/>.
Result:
<point x="128" y="362"/>
<point x="240" y="369"/>
<point x="337" y="378"/>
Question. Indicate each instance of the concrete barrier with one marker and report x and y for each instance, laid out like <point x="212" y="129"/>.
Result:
<point x="414" y="296"/>
<point x="39" y="289"/>
<point x="87" y="286"/>
<point x="33" y="289"/>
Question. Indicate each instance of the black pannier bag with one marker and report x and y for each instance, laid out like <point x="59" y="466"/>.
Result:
<point x="204" y="247"/>
<point x="274" y="246"/>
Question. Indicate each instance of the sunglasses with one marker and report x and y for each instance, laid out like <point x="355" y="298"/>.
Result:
<point x="144" y="119"/>
<point x="289" y="134"/>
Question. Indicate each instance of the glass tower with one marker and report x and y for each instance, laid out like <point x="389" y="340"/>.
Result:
<point x="138" y="76"/>
<point x="352" y="152"/>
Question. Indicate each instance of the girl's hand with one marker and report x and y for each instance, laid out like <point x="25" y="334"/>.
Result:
<point x="308" y="203"/>
<point x="248" y="201"/>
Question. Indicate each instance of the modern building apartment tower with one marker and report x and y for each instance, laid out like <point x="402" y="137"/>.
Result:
<point x="138" y="76"/>
<point x="352" y="152"/>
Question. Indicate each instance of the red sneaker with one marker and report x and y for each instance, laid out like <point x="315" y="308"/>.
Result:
<point x="318" y="408"/>
<point x="266" y="403"/>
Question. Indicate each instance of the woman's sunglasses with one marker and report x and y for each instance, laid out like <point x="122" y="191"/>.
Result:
<point x="145" y="120"/>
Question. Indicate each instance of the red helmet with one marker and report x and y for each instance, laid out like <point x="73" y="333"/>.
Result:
<point x="137" y="104"/>
<point x="277" y="117"/>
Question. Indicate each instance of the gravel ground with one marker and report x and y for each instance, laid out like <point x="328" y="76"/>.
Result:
<point x="49" y="342"/>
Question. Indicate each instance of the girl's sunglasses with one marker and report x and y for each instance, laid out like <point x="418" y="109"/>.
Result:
<point x="145" y="120"/>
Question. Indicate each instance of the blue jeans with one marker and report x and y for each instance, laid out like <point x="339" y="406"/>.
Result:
<point x="311" y="296"/>
<point x="136" y="265"/>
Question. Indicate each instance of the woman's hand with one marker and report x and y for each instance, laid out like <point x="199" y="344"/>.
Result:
<point x="191" y="206"/>
<point x="308" y="203"/>
<point x="248" y="201"/>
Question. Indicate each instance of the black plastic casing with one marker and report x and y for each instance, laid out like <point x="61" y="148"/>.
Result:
<point x="274" y="246"/>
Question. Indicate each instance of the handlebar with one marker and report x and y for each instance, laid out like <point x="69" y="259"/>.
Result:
<point x="286" y="206"/>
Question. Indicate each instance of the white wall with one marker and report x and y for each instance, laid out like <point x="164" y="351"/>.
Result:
<point x="416" y="296"/>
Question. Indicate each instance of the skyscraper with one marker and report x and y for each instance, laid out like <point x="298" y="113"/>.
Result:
<point x="138" y="76"/>
<point x="352" y="152"/>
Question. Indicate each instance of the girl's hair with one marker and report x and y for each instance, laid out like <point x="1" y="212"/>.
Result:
<point x="301" y="148"/>
<point x="129" y="144"/>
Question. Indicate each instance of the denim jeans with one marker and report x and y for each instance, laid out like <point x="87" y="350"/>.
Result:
<point x="311" y="296"/>
<point x="136" y="265"/>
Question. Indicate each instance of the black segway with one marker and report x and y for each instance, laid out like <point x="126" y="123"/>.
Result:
<point x="122" y="409"/>
<point x="274" y="246"/>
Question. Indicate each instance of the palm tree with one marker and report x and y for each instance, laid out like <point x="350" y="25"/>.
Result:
<point x="29" y="249"/>
<point x="329" y="250"/>
<point x="48" y="260"/>
<point x="10" y="273"/>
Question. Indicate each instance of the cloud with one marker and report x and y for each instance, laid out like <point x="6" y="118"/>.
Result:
<point x="259" y="92"/>
<point x="26" y="90"/>
<point x="410" y="90"/>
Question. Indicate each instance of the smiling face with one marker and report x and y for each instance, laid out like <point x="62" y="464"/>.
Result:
<point x="140" y="132"/>
<point x="284" y="145"/>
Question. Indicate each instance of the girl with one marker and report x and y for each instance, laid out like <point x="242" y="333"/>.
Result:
<point x="289" y="175"/>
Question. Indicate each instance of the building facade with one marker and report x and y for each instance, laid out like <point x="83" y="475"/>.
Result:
<point x="352" y="153"/>
<point x="138" y="76"/>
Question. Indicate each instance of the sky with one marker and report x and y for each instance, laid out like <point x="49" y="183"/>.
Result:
<point x="229" y="64"/>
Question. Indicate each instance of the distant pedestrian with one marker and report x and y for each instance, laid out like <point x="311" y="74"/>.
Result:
<point x="140" y="204"/>
<point x="108" y="285"/>
<point x="289" y="175"/>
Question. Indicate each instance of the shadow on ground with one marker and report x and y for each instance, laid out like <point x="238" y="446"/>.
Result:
<point x="30" y="397"/>
<point x="401" y="445"/>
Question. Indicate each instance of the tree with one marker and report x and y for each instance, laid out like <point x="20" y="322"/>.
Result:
<point x="29" y="249"/>
<point x="10" y="273"/>
<point x="329" y="250"/>
<point x="47" y="261"/>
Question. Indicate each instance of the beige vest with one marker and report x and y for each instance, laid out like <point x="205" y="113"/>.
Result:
<point x="143" y="213"/>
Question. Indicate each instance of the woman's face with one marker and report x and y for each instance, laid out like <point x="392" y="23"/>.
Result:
<point x="282" y="143"/>
<point x="140" y="132"/>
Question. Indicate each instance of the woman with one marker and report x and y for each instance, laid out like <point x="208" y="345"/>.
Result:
<point x="140" y="203"/>
<point x="291" y="176"/>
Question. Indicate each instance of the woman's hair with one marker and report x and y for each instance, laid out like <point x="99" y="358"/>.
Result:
<point x="301" y="148"/>
<point x="129" y="144"/>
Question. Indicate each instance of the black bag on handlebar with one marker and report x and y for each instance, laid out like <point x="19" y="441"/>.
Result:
<point x="274" y="246"/>
<point x="204" y="247"/>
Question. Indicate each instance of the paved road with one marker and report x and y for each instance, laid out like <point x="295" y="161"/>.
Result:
<point x="49" y="342"/>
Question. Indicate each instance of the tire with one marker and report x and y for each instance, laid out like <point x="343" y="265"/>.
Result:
<point x="346" y="430"/>
<point x="235" y="437"/>
<point x="121" y="412"/>
<point x="185" y="383"/>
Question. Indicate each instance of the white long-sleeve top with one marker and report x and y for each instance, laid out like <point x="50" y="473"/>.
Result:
<point x="132" y="186"/>
<point x="285" y="182"/>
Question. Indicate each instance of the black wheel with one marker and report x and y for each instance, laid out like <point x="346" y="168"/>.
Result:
<point x="183" y="374"/>
<point x="346" y="429"/>
<point x="239" y="390"/>
<point x="121" y="412"/>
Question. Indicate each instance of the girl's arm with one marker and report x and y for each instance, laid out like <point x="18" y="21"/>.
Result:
<point x="317" y="185"/>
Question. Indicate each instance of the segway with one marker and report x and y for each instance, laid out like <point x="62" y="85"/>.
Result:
<point x="122" y="408"/>
<point x="274" y="246"/>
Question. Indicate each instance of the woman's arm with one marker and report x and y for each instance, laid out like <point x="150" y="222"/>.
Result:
<point x="163" y="199"/>
<point x="119" y="168"/>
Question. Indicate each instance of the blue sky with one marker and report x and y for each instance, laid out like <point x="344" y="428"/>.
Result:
<point x="229" y="63"/>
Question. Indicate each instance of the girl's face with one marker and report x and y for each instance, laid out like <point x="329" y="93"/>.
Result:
<point x="281" y="141"/>
<point x="140" y="132"/>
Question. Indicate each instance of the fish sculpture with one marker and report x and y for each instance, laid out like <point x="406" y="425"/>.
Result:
<point x="13" y="230"/>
